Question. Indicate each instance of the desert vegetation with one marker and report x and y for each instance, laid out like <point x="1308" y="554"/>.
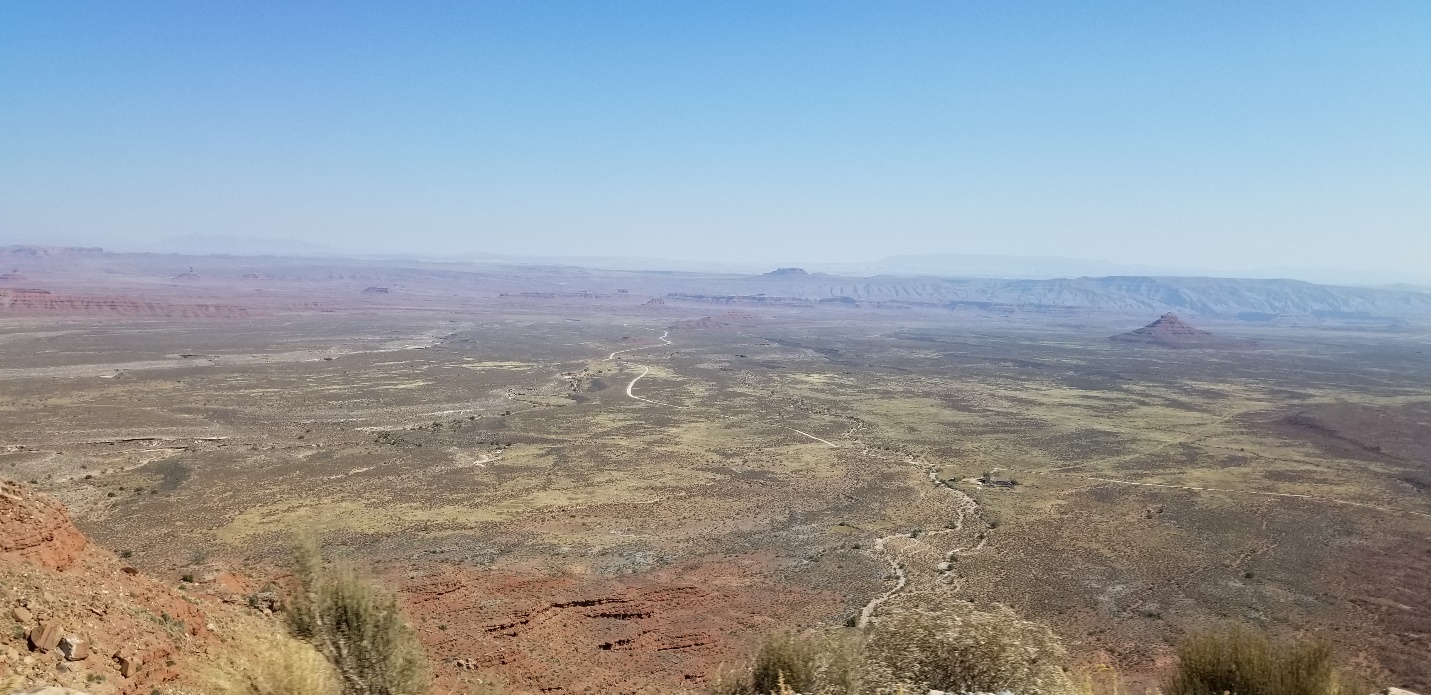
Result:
<point x="354" y="624"/>
<point x="273" y="665"/>
<point x="949" y="646"/>
<point x="917" y="645"/>
<point x="1240" y="661"/>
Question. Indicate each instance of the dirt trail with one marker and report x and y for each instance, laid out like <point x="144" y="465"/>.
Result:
<point x="965" y="506"/>
<point x="963" y="503"/>
<point x="812" y="436"/>
<point x="632" y="385"/>
<point x="647" y="370"/>
<point x="662" y="338"/>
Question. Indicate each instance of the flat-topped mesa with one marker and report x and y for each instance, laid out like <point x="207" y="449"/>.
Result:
<point x="786" y="272"/>
<point x="1170" y="331"/>
<point x="728" y="319"/>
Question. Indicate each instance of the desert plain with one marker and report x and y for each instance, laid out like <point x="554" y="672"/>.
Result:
<point x="613" y="481"/>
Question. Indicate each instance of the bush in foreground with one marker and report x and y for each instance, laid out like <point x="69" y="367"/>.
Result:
<point x="1242" y="662"/>
<point x="815" y="663"/>
<point x="356" y="626"/>
<point x="952" y="647"/>
<point x="273" y="665"/>
<point x="913" y="648"/>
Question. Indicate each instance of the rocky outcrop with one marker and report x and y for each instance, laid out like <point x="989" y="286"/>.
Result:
<point x="36" y="528"/>
<point x="1171" y="331"/>
<point x="32" y="251"/>
<point x="79" y="618"/>
<point x="33" y="302"/>
<point x="729" y="319"/>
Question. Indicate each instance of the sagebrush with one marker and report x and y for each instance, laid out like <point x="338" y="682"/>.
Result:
<point x="948" y="645"/>
<point x="917" y="645"/>
<point x="1242" y="662"/>
<point x="272" y="665"/>
<point x="812" y="663"/>
<point x="357" y="626"/>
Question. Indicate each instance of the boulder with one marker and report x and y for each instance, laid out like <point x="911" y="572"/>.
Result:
<point x="266" y="600"/>
<point x="22" y="615"/>
<point x="128" y="662"/>
<point x="45" y="637"/>
<point x="74" y="648"/>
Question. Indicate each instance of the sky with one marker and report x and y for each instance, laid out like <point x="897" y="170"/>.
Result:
<point x="1205" y="133"/>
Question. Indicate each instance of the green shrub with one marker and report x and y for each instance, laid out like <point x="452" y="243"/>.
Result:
<point x="356" y="626"/>
<point x="1242" y="662"/>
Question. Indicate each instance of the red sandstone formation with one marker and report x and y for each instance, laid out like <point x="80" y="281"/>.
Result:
<point x="32" y="302"/>
<point x="36" y="528"/>
<point x="73" y="602"/>
<point x="1170" y="331"/>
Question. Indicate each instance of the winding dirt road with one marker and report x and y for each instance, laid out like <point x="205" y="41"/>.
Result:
<point x="663" y="339"/>
<point x="964" y="505"/>
<point x="632" y="385"/>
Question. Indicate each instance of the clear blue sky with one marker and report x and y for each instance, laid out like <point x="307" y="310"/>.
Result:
<point x="1220" y="134"/>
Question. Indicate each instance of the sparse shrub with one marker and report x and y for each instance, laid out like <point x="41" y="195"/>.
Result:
<point x="818" y="663"/>
<point x="785" y="659"/>
<point x="356" y="626"/>
<point x="1243" y="662"/>
<point x="274" y="665"/>
<point x="950" y="646"/>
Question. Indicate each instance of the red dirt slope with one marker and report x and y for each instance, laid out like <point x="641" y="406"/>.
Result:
<point x="54" y="584"/>
<point x="588" y="634"/>
<point x="36" y="529"/>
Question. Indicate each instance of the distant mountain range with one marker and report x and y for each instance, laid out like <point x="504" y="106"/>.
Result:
<point x="211" y="245"/>
<point x="1048" y="267"/>
<point x="953" y="265"/>
<point x="1248" y="299"/>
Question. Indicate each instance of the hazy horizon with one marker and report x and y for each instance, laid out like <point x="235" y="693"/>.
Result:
<point x="1224" y="138"/>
